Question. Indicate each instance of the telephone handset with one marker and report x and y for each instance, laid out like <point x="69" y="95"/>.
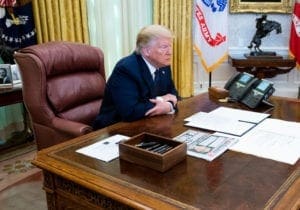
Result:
<point x="239" y="85"/>
<point x="261" y="91"/>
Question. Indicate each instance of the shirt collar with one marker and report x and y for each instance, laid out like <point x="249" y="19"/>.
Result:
<point x="150" y="67"/>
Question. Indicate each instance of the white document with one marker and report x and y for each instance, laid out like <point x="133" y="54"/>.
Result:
<point x="204" y="145"/>
<point x="219" y="123"/>
<point x="241" y="115"/>
<point x="274" y="139"/>
<point x="226" y="120"/>
<point x="105" y="150"/>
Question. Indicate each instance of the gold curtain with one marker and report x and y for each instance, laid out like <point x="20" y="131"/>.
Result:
<point x="177" y="15"/>
<point x="61" y="20"/>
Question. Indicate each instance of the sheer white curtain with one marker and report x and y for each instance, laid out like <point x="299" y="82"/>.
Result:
<point x="114" y="24"/>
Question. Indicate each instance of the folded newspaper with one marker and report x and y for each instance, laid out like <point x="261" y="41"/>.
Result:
<point x="205" y="145"/>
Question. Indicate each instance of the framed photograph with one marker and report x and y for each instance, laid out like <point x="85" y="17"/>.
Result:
<point x="261" y="6"/>
<point x="5" y="76"/>
<point x="16" y="77"/>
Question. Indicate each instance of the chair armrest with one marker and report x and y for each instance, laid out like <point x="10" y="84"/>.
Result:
<point x="71" y="127"/>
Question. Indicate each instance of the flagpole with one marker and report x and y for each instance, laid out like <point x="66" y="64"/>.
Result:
<point x="210" y="35"/>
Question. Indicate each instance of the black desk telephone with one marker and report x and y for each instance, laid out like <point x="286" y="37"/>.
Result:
<point x="248" y="89"/>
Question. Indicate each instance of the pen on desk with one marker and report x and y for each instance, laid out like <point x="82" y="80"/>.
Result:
<point x="153" y="147"/>
<point x="146" y="144"/>
<point x="158" y="148"/>
<point x="162" y="149"/>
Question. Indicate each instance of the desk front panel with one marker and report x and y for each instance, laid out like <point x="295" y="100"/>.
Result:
<point x="232" y="181"/>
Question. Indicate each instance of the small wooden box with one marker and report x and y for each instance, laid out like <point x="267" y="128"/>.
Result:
<point x="130" y="152"/>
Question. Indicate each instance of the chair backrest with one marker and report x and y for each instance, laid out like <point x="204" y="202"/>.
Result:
<point x="63" y="80"/>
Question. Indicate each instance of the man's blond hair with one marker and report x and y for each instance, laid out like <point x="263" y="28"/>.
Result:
<point x="150" y="33"/>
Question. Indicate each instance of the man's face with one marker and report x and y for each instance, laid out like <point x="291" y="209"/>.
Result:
<point x="2" y="73"/>
<point x="159" y="52"/>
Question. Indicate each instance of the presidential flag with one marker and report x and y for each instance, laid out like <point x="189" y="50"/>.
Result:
<point x="295" y="34"/>
<point x="210" y="35"/>
<point x="17" y="27"/>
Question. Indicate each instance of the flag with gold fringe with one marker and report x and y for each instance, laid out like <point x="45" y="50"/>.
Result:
<point x="295" y="34"/>
<point x="17" y="26"/>
<point x="210" y="32"/>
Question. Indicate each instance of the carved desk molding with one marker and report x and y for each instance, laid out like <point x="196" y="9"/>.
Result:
<point x="262" y="66"/>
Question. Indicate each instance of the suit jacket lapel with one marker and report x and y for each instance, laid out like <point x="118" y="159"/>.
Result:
<point x="145" y="72"/>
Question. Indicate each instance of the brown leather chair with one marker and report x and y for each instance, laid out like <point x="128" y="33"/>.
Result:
<point x="63" y="87"/>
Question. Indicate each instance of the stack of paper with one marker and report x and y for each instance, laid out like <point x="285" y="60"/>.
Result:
<point x="273" y="139"/>
<point x="226" y="120"/>
<point x="106" y="149"/>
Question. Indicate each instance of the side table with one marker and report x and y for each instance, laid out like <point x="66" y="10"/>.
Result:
<point x="262" y="66"/>
<point x="12" y="96"/>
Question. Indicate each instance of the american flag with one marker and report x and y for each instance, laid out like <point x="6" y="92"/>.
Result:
<point x="7" y="3"/>
<point x="295" y="34"/>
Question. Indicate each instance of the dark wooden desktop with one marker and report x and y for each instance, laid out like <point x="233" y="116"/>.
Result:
<point x="10" y="96"/>
<point x="232" y="181"/>
<point x="262" y="66"/>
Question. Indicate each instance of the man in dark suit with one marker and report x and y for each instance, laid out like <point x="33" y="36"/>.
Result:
<point x="133" y="90"/>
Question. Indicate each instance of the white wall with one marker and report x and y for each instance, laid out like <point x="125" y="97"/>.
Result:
<point x="241" y="28"/>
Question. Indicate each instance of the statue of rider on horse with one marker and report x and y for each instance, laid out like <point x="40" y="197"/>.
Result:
<point x="263" y="28"/>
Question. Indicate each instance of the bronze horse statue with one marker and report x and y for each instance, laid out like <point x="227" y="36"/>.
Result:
<point x="263" y="28"/>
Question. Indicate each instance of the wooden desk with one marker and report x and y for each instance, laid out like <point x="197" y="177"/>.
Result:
<point x="232" y="181"/>
<point x="262" y="67"/>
